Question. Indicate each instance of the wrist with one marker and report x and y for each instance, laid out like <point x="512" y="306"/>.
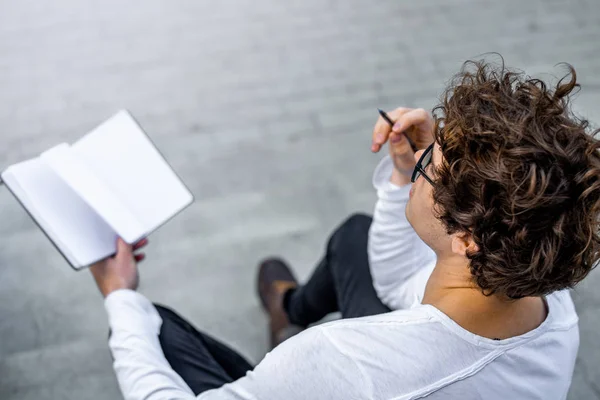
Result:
<point x="399" y="178"/>
<point x="109" y="289"/>
<point x="116" y="292"/>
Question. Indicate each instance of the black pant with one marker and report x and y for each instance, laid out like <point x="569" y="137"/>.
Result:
<point x="341" y="282"/>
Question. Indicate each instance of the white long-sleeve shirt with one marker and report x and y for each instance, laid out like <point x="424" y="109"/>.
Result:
<point x="413" y="352"/>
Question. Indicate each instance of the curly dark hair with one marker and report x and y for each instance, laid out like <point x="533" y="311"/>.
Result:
<point x="521" y="174"/>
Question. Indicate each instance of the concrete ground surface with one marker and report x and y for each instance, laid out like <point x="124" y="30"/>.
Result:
<point x="265" y="108"/>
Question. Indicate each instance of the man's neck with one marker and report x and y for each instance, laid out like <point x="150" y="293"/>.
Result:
<point x="451" y="290"/>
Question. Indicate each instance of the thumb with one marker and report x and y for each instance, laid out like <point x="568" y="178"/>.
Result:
<point x="412" y="118"/>
<point x="124" y="250"/>
<point x="400" y="145"/>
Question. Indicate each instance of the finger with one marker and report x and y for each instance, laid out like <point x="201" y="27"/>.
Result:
<point x="139" y="257"/>
<point x="375" y="147"/>
<point x="397" y="138"/>
<point x="398" y="112"/>
<point x="383" y="128"/>
<point x="140" y="244"/>
<point x="124" y="250"/>
<point x="96" y="269"/>
<point x="380" y="134"/>
<point x="414" y="117"/>
<point x="400" y="145"/>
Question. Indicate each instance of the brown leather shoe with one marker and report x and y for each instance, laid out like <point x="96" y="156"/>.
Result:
<point x="274" y="279"/>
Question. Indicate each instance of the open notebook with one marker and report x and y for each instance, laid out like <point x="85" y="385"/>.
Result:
<point x="112" y="182"/>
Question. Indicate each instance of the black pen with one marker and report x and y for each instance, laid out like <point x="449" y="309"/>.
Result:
<point x="389" y="121"/>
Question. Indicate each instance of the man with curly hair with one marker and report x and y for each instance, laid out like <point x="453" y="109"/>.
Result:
<point x="456" y="288"/>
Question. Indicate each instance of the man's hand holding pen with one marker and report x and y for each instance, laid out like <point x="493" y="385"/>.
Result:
<point x="407" y="130"/>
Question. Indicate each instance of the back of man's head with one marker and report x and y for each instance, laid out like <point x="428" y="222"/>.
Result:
<point x="522" y="175"/>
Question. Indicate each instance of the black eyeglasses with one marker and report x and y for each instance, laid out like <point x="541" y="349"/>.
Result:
<point x="423" y="162"/>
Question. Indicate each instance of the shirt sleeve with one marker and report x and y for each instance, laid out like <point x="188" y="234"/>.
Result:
<point x="307" y="366"/>
<point x="140" y="365"/>
<point x="396" y="253"/>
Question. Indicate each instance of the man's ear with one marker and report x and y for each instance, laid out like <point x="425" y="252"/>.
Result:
<point x="462" y="243"/>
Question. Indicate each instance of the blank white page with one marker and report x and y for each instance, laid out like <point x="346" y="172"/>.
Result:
<point x="120" y="155"/>
<point x="94" y="192"/>
<point x="74" y="227"/>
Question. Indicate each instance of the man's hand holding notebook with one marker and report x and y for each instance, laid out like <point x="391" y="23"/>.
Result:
<point x="111" y="183"/>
